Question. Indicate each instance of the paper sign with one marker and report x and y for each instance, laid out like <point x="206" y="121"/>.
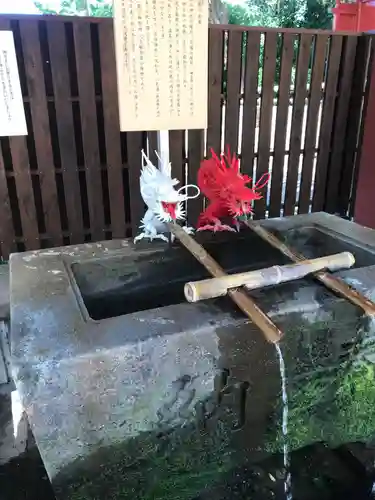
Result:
<point x="162" y="63"/>
<point x="12" y="113"/>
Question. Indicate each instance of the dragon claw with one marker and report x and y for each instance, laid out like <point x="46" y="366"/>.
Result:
<point x="237" y="225"/>
<point x="188" y="230"/>
<point x="224" y="227"/>
<point x="139" y="237"/>
<point x="216" y="227"/>
<point x="161" y="237"/>
<point x="151" y="237"/>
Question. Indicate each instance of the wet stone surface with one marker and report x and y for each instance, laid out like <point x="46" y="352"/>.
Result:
<point x="183" y="401"/>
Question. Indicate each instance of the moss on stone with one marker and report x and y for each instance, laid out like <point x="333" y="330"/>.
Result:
<point x="175" y="466"/>
<point x="331" y="399"/>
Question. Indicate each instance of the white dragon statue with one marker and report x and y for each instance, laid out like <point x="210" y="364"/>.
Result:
<point x="164" y="202"/>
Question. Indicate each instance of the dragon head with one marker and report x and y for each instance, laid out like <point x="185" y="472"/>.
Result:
<point x="168" y="201"/>
<point x="159" y="193"/>
<point x="235" y="192"/>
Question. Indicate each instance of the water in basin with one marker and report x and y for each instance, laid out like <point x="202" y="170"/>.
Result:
<point x="114" y="286"/>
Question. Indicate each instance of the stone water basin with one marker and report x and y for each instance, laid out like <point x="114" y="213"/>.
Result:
<point x="133" y="393"/>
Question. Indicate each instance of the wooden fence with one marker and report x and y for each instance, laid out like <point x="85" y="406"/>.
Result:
<point x="289" y="102"/>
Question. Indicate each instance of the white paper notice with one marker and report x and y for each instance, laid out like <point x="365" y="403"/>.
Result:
<point x="162" y="63"/>
<point x="12" y="113"/>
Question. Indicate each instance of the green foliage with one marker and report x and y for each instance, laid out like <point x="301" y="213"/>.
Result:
<point x="271" y="13"/>
<point x="313" y="14"/>
<point x="95" y="8"/>
<point x="101" y="9"/>
<point x="261" y="13"/>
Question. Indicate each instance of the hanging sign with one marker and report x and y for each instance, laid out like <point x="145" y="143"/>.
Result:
<point x="162" y="63"/>
<point x="12" y="113"/>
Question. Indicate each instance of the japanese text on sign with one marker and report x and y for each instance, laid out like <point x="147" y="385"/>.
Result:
<point x="162" y="61"/>
<point x="12" y="114"/>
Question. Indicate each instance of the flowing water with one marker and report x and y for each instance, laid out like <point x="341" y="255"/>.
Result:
<point x="288" y="477"/>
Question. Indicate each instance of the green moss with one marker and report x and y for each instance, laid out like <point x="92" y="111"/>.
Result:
<point x="336" y="409"/>
<point x="177" y="466"/>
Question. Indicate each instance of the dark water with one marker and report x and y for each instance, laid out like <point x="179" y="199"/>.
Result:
<point x="157" y="282"/>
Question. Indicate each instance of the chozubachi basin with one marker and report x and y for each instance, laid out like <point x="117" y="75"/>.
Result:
<point x="134" y="393"/>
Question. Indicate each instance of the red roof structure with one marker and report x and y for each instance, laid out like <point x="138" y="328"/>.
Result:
<point x="357" y="15"/>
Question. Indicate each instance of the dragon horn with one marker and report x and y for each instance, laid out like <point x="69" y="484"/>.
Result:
<point x="157" y="156"/>
<point x="144" y="158"/>
<point x="235" y="165"/>
<point x="262" y="181"/>
<point x="214" y="155"/>
<point x="218" y="161"/>
<point x="232" y="160"/>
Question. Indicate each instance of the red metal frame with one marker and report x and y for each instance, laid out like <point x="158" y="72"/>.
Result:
<point x="358" y="16"/>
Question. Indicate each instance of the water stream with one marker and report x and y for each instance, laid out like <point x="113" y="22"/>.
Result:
<point x="287" y="477"/>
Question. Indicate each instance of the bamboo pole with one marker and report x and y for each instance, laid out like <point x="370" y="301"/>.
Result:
<point x="239" y="297"/>
<point x="332" y="282"/>
<point x="261" y="278"/>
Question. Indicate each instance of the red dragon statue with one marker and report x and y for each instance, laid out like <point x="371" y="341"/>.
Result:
<point x="220" y="180"/>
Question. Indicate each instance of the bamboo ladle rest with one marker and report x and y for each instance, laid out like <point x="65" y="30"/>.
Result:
<point x="239" y="296"/>
<point x="331" y="282"/>
<point x="219" y="286"/>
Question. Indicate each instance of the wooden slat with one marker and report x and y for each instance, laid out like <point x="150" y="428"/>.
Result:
<point x="297" y="31"/>
<point x="21" y="169"/>
<point x="215" y="76"/>
<point x="312" y="122"/>
<point x="281" y="124"/>
<point x="65" y="129"/>
<point x="250" y="102"/>
<point x="153" y="146"/>
<point x="112" y="130"/>
<point x="25" y="193"/>
<point x="297" y="121"/>
<point x="233" y="90"/>
<point x="266" y="108"/>
<point x="177" y="154"/>
<point x="362" y="126"/>
<point x="41" y="128"/>
<point x="195" y="156"/>
<point x="326" y="125"/>
<point x="7" y="235"/>
<point x="353" y="124"/>
<point x="342" y="109"/>
<point x="134" y="141"/>
<point x="85" y="77"/>
<point x="217" y="27"/>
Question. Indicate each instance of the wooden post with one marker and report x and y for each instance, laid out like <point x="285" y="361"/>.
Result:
<point x="364" y="210"/>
